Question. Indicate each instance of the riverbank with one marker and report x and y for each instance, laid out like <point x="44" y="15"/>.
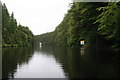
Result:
<point x="14" y="45"/>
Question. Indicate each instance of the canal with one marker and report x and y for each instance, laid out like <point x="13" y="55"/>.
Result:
<point x="60" y="62"/>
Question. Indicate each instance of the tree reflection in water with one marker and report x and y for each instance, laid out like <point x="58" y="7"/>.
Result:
<point x="13" y="58"/>
<point x="76" y="62"/>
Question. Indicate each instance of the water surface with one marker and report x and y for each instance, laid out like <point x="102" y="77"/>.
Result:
<point x="60" y="62"/>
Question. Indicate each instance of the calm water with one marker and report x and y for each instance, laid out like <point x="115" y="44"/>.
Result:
<point x="60" y="62"/>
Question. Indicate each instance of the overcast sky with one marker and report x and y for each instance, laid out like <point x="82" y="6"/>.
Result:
<point x="40" y="16"/>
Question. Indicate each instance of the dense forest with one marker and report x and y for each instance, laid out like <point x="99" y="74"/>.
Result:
<point x="14" y="34"/>
<point x="96" y="23"/>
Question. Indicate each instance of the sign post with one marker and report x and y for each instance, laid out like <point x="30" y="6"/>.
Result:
<point x="82" y="42"/>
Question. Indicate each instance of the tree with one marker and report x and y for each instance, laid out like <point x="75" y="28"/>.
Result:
<point x="13" y="34"/>
<point x="110" y="23"/>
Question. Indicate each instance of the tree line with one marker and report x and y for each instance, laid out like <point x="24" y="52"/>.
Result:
<point x="14" y="34"/>
<point x="98" y="23"/>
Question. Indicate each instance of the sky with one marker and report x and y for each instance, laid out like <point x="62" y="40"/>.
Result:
<point x="40" y="16"/>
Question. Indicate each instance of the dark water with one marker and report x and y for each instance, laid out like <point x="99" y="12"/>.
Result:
<point x="60" y="62"/>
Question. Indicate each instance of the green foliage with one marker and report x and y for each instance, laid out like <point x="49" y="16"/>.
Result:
<point x="96" y="23"/>
<point x="78" y="24"/>
<point x="13" y="34"/>
<point x="45" y="39"/>
<point x="110" y="23"/>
